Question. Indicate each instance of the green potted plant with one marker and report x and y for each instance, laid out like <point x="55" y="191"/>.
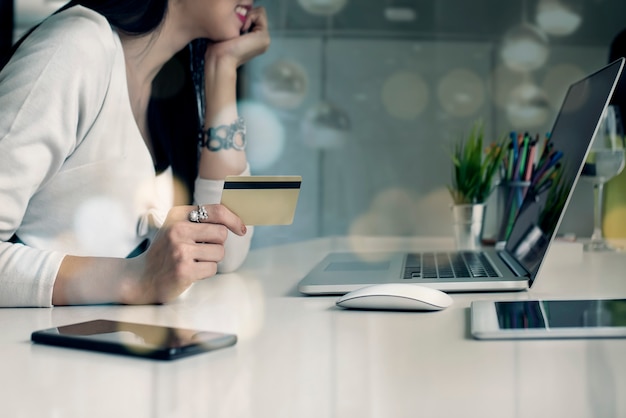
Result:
<point x="474" y="168"/>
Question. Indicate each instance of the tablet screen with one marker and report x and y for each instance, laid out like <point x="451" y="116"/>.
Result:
<point x="561" y="314"/>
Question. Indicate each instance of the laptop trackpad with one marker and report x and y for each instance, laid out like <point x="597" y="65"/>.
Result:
<point x="357" y="268"/>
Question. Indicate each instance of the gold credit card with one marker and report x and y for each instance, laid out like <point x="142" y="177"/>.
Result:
<point x="262" y="200"/>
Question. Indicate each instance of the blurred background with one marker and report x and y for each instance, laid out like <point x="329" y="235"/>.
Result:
<point x="364" y="98"/>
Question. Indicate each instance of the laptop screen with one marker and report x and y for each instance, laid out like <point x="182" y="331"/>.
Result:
<point x="566" y="148"/>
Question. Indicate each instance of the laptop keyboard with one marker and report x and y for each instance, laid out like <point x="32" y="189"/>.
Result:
<point x="448" y="265"/>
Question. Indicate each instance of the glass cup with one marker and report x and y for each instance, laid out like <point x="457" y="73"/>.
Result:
<point x="604" y="161"/>
<point x="510" y="197"/>
<point x="468" y="223"/>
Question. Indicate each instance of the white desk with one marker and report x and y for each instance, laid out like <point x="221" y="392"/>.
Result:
<point x="302" y="357"/>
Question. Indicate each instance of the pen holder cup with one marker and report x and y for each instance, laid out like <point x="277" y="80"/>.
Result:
<point x="511" y="194"/>
<point x="468" y="223"/>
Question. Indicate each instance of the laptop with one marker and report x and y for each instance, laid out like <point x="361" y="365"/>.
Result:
<point x="514" y="267"/>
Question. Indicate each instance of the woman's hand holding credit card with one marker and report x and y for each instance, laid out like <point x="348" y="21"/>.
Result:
<point x="262" y="200"/>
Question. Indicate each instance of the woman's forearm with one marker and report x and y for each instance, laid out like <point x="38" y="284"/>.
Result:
<point x="221" y="110"/>
<point x="92" y="280"/>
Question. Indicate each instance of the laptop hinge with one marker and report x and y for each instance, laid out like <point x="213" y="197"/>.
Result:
<point x="512" y="263"/>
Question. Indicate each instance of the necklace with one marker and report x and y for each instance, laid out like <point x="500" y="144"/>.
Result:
<point x="197" y="48"/>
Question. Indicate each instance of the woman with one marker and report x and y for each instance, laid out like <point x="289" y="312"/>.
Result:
<point x="83" y="136"/>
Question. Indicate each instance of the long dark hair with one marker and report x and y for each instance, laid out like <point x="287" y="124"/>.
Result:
<point x="172" y="113"/>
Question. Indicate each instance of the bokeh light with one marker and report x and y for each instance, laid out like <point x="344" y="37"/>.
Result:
<point x="557" y="80"/>
<point x="325" y="126"/>
<point x="524" y="48"/>
<point x="405" y="95"/>
<point x="504" y="81"/>
<point x="390" y="213"/>
<point x="242" y="305"/>
<point x="400" y="211"/>
<point x="100" y="221"/>
<point x="232" y="301"/>
<point x="461" y="92"/>
<point x="559" y="17"/>
<point x="528" y="107"/>
<point x="265" y="134"/>
<point x="323" y="7"/>
<point x="284" y="84"/>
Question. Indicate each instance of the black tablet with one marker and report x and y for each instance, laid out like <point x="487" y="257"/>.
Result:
<point x="139" y="340"/>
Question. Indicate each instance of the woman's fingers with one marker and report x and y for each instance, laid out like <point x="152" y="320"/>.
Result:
<point x="204" y="252"/>
<point x="216" y="215"/>
<point x="202" y="270"/>
<point x="256" y="20"/>
<point x="220" y="214"/>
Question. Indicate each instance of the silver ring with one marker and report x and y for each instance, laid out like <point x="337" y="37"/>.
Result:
<point x="198" y="215"/>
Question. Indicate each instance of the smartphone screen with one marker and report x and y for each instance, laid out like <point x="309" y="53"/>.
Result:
<point x="561" y="313"/>
<point x="140" y="340"/>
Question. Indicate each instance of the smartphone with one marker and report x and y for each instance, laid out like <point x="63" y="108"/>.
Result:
<point x="138" y="340"/>
<point x="585" y="318"/>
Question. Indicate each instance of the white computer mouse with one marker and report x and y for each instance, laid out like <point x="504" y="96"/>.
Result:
<point x="396" y="297"/>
